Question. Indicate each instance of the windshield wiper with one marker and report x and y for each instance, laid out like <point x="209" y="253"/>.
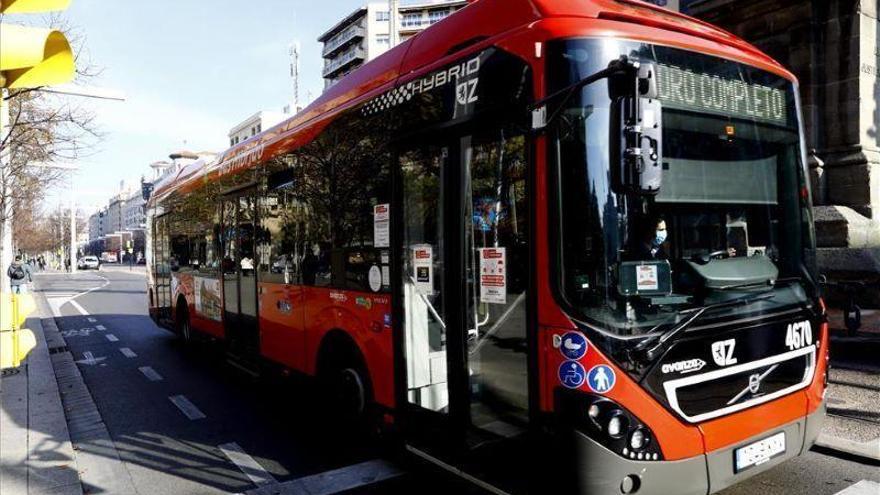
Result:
<point x="648" y="349"/>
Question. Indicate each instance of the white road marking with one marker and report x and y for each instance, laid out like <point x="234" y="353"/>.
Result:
<point x="864" y="487"/>
<point x="111" y="337"/>
<point x="128" y="352"/>
<point x="79" y="308"/>
<point x="101" y="327"/>
<point x="335" y="481"/>
<point x="55" y="304"/>
<point x="186" y="407"/>
<point x="58" y="299"/>
<point x="90" y="359"/>
<point x="247" y="464"/>
<point x="150" y="373"/>
<point x="83" y="332"/>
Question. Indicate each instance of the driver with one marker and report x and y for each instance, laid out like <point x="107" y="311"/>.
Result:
<point x="652" y="245"/>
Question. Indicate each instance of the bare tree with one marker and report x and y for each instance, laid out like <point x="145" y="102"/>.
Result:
<point x="43" y="128"/>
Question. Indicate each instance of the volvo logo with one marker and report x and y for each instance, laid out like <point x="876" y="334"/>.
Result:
<point x="755" y="383"/>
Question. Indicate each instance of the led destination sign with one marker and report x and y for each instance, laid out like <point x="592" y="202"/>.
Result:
<point x="710" y="93"/>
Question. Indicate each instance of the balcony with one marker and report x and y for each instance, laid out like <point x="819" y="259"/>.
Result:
<point x="344" y="61"/>
<point x="336" y="43"/>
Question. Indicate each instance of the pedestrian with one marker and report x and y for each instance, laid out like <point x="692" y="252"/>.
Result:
<point x="20" y="274"/>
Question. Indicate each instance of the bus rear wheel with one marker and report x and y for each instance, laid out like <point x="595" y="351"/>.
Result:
<point x="184" y="327"/>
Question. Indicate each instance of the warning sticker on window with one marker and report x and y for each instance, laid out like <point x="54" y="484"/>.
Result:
<point x="646" y="277"/>
<point x="493" y="275"/>
<point x="381" y="226"/>
<point x="423" y="268"/>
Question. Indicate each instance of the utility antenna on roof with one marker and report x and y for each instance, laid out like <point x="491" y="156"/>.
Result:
<point x="294" y="75"/>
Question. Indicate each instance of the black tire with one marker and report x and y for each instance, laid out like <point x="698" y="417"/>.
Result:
<point x="346" y="391"/>
<point x="182" y="323"/>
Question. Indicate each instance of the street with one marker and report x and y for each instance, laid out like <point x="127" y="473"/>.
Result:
<point x="184" y="420"/>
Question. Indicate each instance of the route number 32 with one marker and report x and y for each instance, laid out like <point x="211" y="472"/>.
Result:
<point x="799" y="335"/>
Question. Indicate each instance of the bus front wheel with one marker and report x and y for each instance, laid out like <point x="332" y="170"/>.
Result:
<point x="345" y="384"/>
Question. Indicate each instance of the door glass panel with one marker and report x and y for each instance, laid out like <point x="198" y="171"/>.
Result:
<point x="230" y="257"/>
<point x="162" y="266"/>
<point x="248" y="280"/>
<point x="496" y="236"/>
<point x="424" y="308"/>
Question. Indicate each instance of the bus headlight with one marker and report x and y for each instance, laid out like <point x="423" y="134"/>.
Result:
<point x="609" y="423"/>
<point x="616" y="425"/>
<point x="639" y="439"/>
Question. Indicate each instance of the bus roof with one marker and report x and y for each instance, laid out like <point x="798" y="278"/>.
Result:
<point x="468" y="28"/>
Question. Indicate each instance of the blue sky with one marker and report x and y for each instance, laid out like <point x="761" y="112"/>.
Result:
<point x="191" y="70"/>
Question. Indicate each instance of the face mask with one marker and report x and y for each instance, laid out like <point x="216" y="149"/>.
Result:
<point x="660" y="238"/>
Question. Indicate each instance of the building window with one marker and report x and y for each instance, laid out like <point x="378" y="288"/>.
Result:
<point x="383" y="16"/>
<point x="259" y="128"/>
<point x="437" y="16"/>
<point x="412" y="20"/>
<point x="383" y="40"/>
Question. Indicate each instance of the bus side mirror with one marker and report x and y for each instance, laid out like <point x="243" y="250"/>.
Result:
<point x="638" y="120"/>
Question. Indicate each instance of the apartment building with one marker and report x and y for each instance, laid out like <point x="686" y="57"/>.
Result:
<point x="366" y="33"/>
<point x="255" y="124"/>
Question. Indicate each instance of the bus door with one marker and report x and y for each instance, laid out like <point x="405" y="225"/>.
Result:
<point x="239" y="274"/>
<point x="463" y="299"/>
<point x="162" y="268"/>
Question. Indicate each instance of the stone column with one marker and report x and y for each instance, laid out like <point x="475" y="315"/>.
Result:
<point x="832" y="47"/>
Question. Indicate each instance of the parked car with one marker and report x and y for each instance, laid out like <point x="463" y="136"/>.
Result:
<point x="88" y="263"/>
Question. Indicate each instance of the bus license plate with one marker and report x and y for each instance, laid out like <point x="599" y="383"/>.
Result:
<point x="759" y="452"/>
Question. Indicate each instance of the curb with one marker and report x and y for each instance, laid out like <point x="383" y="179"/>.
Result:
<point x="869" y="451"/>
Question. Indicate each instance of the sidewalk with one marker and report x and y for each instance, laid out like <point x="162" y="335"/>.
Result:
<point x="36" y="455"/>
<point x="852" y="426"/>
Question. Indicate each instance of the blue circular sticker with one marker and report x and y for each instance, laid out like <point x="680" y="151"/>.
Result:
<point x="572" y="374"/>
<point x="573" y="346"/>
<point x="601" y="379"/>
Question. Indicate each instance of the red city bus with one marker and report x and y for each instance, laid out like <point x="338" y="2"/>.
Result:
<point x="555" y="234"/>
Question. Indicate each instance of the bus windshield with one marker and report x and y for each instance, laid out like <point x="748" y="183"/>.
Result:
<point x="732" y="216"/>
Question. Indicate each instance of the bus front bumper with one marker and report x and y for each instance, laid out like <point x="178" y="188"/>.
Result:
<point x="602" y="471"/>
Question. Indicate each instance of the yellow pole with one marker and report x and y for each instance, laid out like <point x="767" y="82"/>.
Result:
<point x="16" y="359"/>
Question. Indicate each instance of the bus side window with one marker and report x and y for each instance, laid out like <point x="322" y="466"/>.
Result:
<point x="339" y="178"/>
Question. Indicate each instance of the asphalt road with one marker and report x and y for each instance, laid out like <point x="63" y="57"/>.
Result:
<point x="248" y="432"/>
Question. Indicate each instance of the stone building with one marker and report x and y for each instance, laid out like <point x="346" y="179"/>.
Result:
<point x="831" y="46"/>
